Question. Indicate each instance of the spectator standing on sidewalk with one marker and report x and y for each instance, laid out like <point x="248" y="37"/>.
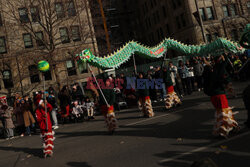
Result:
<point x="29" y="120"/>
<point x="198" y="71"/>
<point x="6" y="114"/>
<point x="19" y="116"/>
<point x="183" y="72"/>
<point x="190" y="76"/>
<point x="176" y="82"/>
<point x="52" y="100"/>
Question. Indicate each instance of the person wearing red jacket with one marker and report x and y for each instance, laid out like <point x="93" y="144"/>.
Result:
<point x="45" y="125"/>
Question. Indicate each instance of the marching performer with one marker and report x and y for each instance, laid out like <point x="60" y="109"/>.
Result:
<point x="45" y="125"/>
<point x="144" y="101"/>
<point x="108" y="110"/>
<point x="172" y="99"/>
<point x="215" y="80"/>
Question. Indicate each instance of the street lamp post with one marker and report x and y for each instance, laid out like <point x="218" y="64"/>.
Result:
<point x="105" y="26"/>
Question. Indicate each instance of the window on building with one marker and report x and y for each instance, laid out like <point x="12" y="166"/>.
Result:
<point x="164" y="11"/>
<point x="39" y="38"/>
<point x="3" y="48"/>
<point x="71" y="8"/>
<point x="35" y="14"/>
<point x="1" y="21"/>
<point x="34" y="74"/>
<point x="59" y="10"/>
<point x="23" y="14"/>
<point x="157" y="16"/>
<point x="210" y="14"/>
<point x="178" y="23"/>
<point x="215" y="35"/>
<point x="160" y="34"/>
<point x="48" y="76"/>
<point x="155" y="2"/>
<point x="152" y="3"/>
<point x="183" y="20"/>
<point x="27" y="41"/>
<point x="146" y="6"/>
<point x="75" y="33"/>
<point x="168" y="29"/>
<point x="248" y="7"/>
<point x="152" y="38"/>
<point x="233" y="10"/>
<point x="179" y="2"/>
<point x="209" y="37"/>
<point x="202" y="13"/>
<point x="71" y="68"/>
<point x="225" y="10"/>
<point x="149" y="21"/>
<point x="7" y="79"/>
<point x="234" y="35"/>
<point x="173" y="4"/>
<point x="64" y="35"/>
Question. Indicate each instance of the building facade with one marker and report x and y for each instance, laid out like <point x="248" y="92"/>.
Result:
<point x="43" y="30"/>
<point x="179" y="19"/>
<point x="152" y="21"/>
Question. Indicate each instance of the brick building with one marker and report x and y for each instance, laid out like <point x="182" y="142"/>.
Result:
<point x="178" y="19"/>
<point x="43" y="30"/>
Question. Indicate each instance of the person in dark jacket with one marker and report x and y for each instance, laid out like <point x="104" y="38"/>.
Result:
<point x="144" y="101"/>
<point x="108" y="109"/>
<point x="246" y="99"/>
<point x="198" y="71"/>
<point x="64" y="98"/>
<point x="172" y="99"/>
<point x="216" y="79"/>
<point x="52" y="101"/>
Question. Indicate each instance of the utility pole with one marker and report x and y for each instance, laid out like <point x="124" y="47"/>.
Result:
<point x="201" y="22"/>
<point x="105" y="26"/>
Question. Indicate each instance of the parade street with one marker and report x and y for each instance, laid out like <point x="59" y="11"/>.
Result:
<point x="173" y="138"/>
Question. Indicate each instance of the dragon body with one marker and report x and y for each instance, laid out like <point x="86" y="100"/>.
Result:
<point x="124" y="53"/>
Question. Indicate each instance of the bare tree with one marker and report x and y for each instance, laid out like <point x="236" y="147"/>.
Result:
<point x="45" y="20"/>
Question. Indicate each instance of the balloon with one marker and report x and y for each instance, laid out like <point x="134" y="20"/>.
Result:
<point x="43" y="66"/>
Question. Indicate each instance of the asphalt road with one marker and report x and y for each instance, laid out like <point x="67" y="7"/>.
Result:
<point x="172" y="138"/>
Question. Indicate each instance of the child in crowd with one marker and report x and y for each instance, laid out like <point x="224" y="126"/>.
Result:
<point x="89" y="106"/>
<point x="77" y="110"/>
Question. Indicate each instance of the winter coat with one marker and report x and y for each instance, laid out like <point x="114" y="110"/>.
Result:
<point x="41" y="117"/>
<point x="8" y="118"/>
<point x="198" y="69"/>
<point x="19" y="115"/>
<point x="109" y="95"/>
<point x="52" y="100"/>
<point x="64" y="99"/>
<point x="77" y="95"/>
<point x="167" y="79"/>
<point x="216" y="79"/>
<point x="142" y="92"/>
<point x="27" y="116"/>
